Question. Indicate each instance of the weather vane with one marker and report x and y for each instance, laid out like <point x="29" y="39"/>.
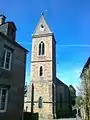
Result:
<point x="43" y="13"/>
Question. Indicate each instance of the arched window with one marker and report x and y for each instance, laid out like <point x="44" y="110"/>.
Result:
<point x="40" y="102"/>
<point x="41" y="71"/>
<point x="41" y="48"/>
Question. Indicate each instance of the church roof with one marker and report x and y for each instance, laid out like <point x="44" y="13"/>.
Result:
<point x="60" y="82"/>
<point x="42" y="27"/>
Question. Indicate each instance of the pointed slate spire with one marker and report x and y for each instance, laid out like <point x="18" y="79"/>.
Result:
<point x="42" y="27"/>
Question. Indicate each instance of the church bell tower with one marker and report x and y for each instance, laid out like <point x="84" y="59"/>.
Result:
<point x="43" y="69"/>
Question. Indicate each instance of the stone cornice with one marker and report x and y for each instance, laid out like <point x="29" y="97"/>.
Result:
<point x="37" y="102"/>
<point x="41" y="61"/>
<point x="42" y="35"/>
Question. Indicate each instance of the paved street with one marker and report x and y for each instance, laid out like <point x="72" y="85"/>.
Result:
<point x="70" y="119"/>
<point x="64" y="119"/>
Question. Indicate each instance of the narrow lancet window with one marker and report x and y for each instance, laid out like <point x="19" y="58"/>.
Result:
<point x="41" y="48"/>
<point x="40" y="102"/>
<point x="41" y="70"/>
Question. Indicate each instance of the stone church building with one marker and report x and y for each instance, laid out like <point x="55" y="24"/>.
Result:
<point x="51" y="96"/>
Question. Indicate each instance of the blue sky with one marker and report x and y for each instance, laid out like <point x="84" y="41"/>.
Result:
<point x="70" y="22"/>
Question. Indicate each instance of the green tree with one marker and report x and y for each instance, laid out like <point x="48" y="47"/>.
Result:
<point x="79" y="101"/>
<point x="85" y="83"/>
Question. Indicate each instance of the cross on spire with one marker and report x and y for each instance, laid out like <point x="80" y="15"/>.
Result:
<point x="43" y="13"/>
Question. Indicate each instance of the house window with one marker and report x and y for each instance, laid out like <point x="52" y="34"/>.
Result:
<point x="40" y="102"/>
<point x="6" y="59"/>
<point x="41" y="48"/>
<point x="41" y="71"/>
<point x="3" y="99"/>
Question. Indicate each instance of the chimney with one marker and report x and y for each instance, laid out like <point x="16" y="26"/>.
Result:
<point x="2" y="19"/>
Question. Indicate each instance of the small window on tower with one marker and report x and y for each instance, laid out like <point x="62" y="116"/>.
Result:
<point x="42" y="27"/>
<point x="41" y="48"/>
<point x="41" y="71"/>
<point x="40" y="102"/>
